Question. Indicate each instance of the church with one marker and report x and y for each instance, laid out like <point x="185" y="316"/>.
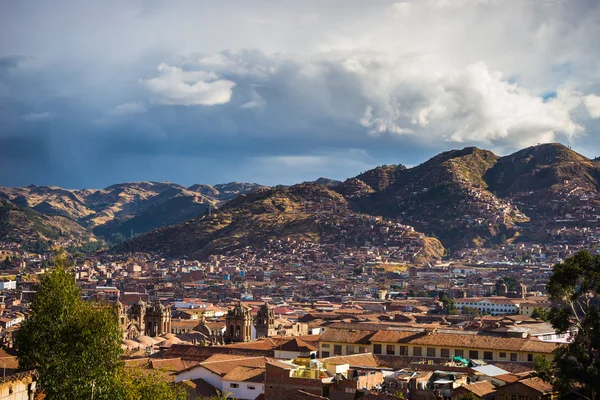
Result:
<point x="242" y="326"/>
<point x="143" y="319"/>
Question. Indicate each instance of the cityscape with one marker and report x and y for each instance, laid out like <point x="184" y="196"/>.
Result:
<point x="304" y="200"/>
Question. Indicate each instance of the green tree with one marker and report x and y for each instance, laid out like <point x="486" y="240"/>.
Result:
<point x="469" y="311"/>
<point x="143" y="384"/>
<point x="74" y="346"/>
<point x="574" y="286"/>
<point x="540" y="313"/>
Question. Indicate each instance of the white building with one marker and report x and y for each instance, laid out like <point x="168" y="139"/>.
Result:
<point x="241" y="376"/>
<point x="489" y="305"/>
<point x="8" y="285"/>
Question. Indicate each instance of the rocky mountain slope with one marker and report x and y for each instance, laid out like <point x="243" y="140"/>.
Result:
<point x="35" y="231"/>
<point x="469" y="197"/>
<point x="114" y="212"/>
<point x="306" y="212"/>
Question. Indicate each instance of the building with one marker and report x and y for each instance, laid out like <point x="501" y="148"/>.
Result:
<point x="20" y="386"/>
<point x="238" y="324"/>
<point x="531" y="388"/>
<point x="141" y="319"/>
<point x="489" y="305"/>
<point x="8" y="285"/>
<point x="423" y="343"/>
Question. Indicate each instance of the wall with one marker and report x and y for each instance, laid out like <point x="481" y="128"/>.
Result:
<point x="243" y="391"/>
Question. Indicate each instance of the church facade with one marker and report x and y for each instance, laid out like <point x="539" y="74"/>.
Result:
<point x="241" y="326"/>
<point x="144" y="319"/>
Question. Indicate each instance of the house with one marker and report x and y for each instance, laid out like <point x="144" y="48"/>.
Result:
<point x="532" y="388"/>
<point x="241" y="376"/>
<point x="424" y="343"/>
<point x="481" y="390"/>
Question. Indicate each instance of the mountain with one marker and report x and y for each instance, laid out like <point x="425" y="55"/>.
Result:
<point x="116" y="211"/>
<point x="447" y="196"/>
<point x="306" y="212"/>
<point x="467" y="197"/>
<point x="35" y="231"/>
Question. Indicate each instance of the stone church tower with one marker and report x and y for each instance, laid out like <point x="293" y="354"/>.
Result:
<point x="139" y="319"/>
<point x="238" y="324"/>
<point x="265" y="322"/>
<point x="158" y="320"/>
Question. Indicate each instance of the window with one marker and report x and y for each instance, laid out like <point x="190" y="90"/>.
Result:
<point x="337" y="349"/>
<point x="445" y="353"/>
<point x="530" y="357"/>
<point x="390" y="349"/>
<point x="459" y="352"/>
<point x="376" y="349"/>
<point x="325" y="354"/>
<point x="473" y="354"/>
<point x="251" y="387"/>
<point x="234" y="385"/>
<point x="488" y="355"/>
<point x="362" y="349"/>
<point x="416" y="351"/>
<point x="513" y="397"/>
<point x="502" y="354"/>
<point x="431" y="352"/>
<point x="349" y="349"/>
<point x="403" y="350"/>
<point x="325" y="345"/>
<point x="513" y="356"/>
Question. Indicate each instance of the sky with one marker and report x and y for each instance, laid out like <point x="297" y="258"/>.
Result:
<point x="95" y="92"/>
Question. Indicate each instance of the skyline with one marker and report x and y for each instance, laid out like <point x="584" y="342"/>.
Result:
<point x="93" y="93"/>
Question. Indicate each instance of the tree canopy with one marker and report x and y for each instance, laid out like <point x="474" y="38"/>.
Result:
<point x="75" y="346"/>
<point x="574" y="286"/>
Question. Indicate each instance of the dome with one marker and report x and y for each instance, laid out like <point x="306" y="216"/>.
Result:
<point x="146" y="341"/>
<point x="130" y="344"/>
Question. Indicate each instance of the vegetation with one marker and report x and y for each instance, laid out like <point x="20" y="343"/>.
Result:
<point x="75" y="346"/>
<point x="575" y="285"/>
<point x="540" y="313"/>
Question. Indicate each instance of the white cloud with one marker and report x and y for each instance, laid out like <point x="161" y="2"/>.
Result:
<point x="41" y="116"/>
<point x="129" y="108"/>
<point x="174" y="86"/>
<point x="408" y="94"/>
<point x="592" y="103"/>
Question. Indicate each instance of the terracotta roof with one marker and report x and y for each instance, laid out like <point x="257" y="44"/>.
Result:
<point x="302" y="395"/>
<point x="224" y="367"/>
<point x="481" y="388"/>
<point x="536" y="384"/>
<point x="347" y="336"/>
<point x="202" y="388"/>
<point x="296" y="344"/>
<point x="201" y="353"/>
<point x="355" y="360"/>
<point x="245" y="374"/>
<point x="508" y="378"/>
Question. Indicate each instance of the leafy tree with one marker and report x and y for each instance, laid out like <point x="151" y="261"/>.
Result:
<point x="470" y="311"/>
<point x="575" y="286"/>
<point x="141" y="384"/>
<point x="511" y="282"/>
<point x="540" y="313"/>
<point x="467" y="396"/>
<point x="74" y="346"/>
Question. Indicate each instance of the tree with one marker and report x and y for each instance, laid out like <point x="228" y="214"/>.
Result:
<point x="469" y="311"/>
<point x="574" y="286"/>
<point x="141" y="384"/>
<point x="74" y="346"/>
<point x="540" y="313"/>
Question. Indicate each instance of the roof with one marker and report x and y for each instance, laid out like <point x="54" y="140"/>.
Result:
<point x="481" y="388"/>
<point x="536" y="384"/>
<point x="245" y="374"/>
<point x="466" y="340"/>
<point x="225" y="365"/>
<point x="355" y="360"/>
<point x="296" y="344"/>
<point x="347" y="336"/>
<point x="489" y="370"/>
